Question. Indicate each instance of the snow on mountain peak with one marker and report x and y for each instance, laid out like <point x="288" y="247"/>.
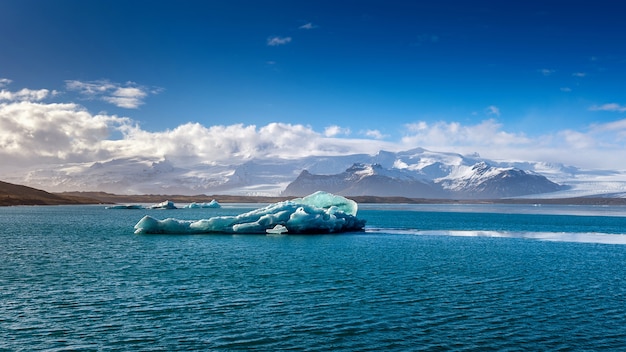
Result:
<point x="270" y="176"/>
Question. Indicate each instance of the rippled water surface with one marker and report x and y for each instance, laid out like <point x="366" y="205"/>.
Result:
<point x="507" y="278"/>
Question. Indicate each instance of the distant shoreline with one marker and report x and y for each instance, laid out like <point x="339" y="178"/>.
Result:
<point x="152" y="198"/>
<point x="14" y="195"/>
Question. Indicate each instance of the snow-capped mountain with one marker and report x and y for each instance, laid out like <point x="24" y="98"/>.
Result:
<point x="478" y="181"/>
<point x="365" y="179"/>
<point x="416" y="173"/>
<point x="482" y="180"/>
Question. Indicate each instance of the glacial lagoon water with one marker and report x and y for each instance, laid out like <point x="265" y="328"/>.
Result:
<point x="432" y="278"/>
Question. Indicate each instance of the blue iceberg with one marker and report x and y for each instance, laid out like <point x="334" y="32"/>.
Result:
<point x="319" y="212"/>
<point x="211" y="204"/>
<point x="168" y="204"/>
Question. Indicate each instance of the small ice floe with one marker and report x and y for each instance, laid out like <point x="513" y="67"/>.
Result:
<point x="211" y="204"/>
<point x="128" y="206"/>
<point x="168" y="204"/>
<point x="319" y="212"/>
<point x="277" y="230"/>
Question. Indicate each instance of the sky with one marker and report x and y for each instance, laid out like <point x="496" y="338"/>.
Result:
<point x="216" y="81"/>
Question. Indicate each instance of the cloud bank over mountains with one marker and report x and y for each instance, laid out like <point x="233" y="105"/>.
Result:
<point x="36" y="129"/>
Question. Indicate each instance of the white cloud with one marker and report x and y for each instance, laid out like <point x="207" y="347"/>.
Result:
<point x="35" y="132"/>
<point x="579" y="74"/>
<point x="308" y="26"/>
<point x="91" y="88"/>
<point x="493" y="110"/>
<point x="32" y="132"/>
<point x="609" y="107"/>
<point x="25" y="95"/>
<point x="334" y="130"/>
<point x="232" y="143"/>
<point x="577" y="140"/>
<point x="619" y="125"/>
<point x="566" y="89"/>
<point x="599" y="146"/>
<point x="442" y="134"/>
<point x="376" y="134"/>
<point x="276" y="41"/>
<point x="128" y="95"/>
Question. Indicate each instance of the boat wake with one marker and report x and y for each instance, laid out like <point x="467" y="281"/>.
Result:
<point x="579" y="237"/>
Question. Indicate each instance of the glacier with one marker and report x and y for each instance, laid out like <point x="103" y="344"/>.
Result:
<point x="319" y="212"/>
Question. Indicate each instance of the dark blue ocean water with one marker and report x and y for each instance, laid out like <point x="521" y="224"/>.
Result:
<point x="467" y="278"/>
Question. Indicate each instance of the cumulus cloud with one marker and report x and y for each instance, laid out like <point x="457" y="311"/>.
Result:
<point x="32" y="132"/>
<point x="609" y="107"/>
<point x="25" y="95"/>
<point x="194" y="142"/>
<point x="334" y="130"/>
<point x="276" y="41"/>
<point x="128" y="95"/>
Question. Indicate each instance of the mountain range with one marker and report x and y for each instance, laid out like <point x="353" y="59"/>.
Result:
<point x="481" y="181"/>
<point x="412" y="173"/>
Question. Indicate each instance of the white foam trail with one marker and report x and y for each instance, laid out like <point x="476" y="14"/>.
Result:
<point x="578" y="237"/>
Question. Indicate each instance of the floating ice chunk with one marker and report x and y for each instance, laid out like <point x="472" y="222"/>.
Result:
<point x="277" y="230"/>
<point x="326" y="200"/>
<point x="128" y="206"/>
<point x="318" y="213"/>
<point x="168" y="204"/>
<point x="162" y="226"/>
<point x="211" y="204"/>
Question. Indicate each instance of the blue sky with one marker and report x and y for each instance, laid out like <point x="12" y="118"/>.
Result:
<point x="399" y="74"/>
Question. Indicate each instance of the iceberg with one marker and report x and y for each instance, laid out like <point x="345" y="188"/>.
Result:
<point x="168" y="204"/>
<point x="212" y="204"/>
<point x="327" y="200"/>
<point x="319" y="212"/>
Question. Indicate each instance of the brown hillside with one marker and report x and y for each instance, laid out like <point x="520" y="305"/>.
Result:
<point x="12" y="194"/>
<point x="103" y="197"/>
